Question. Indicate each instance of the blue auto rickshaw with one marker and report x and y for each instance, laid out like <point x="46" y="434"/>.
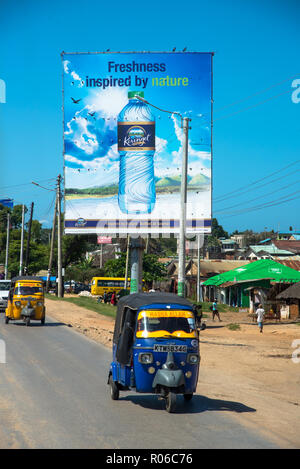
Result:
<point x="155" y="347"/>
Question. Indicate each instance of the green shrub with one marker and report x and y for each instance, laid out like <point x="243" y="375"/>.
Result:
<point x="233" y="327"/>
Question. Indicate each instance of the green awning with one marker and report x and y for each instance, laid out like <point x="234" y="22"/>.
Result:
<point x="262" y="269"/>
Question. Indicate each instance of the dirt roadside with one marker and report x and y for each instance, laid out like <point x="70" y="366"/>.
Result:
<point x="248" y="374"/>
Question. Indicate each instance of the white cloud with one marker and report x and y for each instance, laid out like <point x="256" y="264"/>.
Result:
<point x="69" y="71"/>
<point x="108" y="102"/>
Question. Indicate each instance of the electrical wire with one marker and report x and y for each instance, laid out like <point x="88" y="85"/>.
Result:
<point x="252" y="106"/>
<point x="257" y="93"/>
<point x="229" y="195"/>
<point x="272" y="203"/>
<point x="25" y="184"/>
<point x="256" y="198"/>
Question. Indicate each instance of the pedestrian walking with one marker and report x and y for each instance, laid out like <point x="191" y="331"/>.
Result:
<point x="215" y="311"/>
<point x="260" y="313"/>
<point x="198" y="315"/>
<point x="113" y="299"/>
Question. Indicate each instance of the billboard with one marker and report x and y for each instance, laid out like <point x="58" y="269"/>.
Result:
<point x="7" y="202"/>
<point x="123" y="135"/>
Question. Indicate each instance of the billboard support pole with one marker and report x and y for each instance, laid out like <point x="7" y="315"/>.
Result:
<point x="136" y="256"/>
<point x="127" y="262"/>
<point x="181" y="257"/>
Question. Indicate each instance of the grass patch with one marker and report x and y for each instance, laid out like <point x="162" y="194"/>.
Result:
<point x="233" y="327"/>
<point x="88" y="303"/>
<point x="221" y="308"/>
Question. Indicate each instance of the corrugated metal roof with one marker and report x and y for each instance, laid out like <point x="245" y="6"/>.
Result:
<point x="288" y="232"/>
<point x="217" y="266"/>
<point x="293" y="262"/>
<point x="270" y="249"/>
<point x="291" y="245"/>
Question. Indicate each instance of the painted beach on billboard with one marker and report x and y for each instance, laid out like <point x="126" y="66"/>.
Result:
<point x="97" y="88"/>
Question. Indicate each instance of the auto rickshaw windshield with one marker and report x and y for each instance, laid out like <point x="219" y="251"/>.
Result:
<point x="166" y="321"/>
<point x="28" y="290"/>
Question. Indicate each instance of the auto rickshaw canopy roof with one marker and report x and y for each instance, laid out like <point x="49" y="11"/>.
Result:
<point x="136" y="301"/>
<point x="24" y="278"/>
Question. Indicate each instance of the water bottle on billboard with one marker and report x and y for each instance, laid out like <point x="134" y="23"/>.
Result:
<point x="136" y="145"/>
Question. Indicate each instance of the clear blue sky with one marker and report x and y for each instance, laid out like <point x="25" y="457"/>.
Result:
<point x="256" y="45"/>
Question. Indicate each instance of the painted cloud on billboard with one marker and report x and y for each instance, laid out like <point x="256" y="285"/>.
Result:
<point x="123" y="157"/>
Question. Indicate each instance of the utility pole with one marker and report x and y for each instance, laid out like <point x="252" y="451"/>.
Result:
<point x="127" y="262"/>
<point x="28" y="239"/>
<point x="199" y="291"/>
<point x="59" y="240"/>
<point x="7" y="246"/>
<point x="101" y="256"/>
<point x="22" y="242"/>
<point x="181" y="257"/>
<point x="51" y="246"/>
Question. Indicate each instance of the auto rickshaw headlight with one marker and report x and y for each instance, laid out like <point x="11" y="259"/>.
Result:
<point x="146" y="358"/>
<point x="193" y="358"/>
<point x="18" y="304"/>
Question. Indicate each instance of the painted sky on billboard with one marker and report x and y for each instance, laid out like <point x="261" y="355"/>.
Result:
<point x="96" y="89"/>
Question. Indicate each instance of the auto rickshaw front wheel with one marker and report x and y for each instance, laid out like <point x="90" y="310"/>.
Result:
<point x="6" y="319"/>
<point x="27" y="321"/>
<point x="188" y="397"/>
<point x="114" y="390"/>
<point x="170" y="402"/>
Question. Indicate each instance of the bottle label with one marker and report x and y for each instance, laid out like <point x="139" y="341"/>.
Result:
<point x="136" y="136"/>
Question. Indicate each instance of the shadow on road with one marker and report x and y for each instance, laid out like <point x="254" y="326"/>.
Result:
<point x="38" y="324"/>
<point x="212" y="326"/>
<point x="198" y="404"/>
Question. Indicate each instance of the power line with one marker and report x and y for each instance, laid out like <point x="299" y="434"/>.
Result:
<point x="25" y="184"/>
<point x="257" y="93"/>
<point x="256" y="198"/>
<point x="247" y="98"/>
<point x="252" y="106"/>
<point x="224" y="197"/>
<point x="262" y="185"/>
<point x="266" y="205"/>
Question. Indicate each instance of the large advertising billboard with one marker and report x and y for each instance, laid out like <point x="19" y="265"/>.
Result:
<point x="123" y="151"/>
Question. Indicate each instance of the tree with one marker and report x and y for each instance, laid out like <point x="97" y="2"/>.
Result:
<point x="217" y="231"/>
<point x="38" y="258"/>
<point x="74" y="248"/>
<point x="83" y="271"/>
<point x="152" y="268"/>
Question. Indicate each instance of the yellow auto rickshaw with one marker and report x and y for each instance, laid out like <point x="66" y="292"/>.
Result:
<point x="26" y="300"/>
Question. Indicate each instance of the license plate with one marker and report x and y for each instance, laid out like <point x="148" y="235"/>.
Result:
<point x="170" y="348"/>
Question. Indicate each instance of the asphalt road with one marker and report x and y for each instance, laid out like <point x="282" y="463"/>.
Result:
<point x="54" y="395"/>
